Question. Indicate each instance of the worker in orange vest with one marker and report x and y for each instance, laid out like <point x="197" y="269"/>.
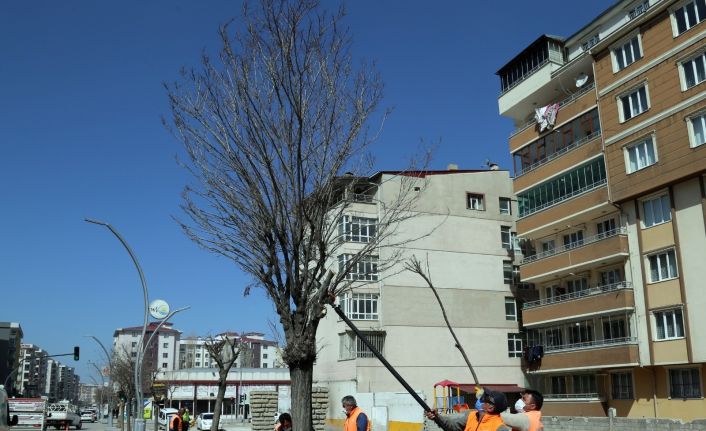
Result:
<point x="177" y="423"/>
<point x="529" y="416"/>
<point x="487" y="419"/>
<point x="356" y="420"/>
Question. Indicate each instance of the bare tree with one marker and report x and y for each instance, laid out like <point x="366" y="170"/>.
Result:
<point x="276" y="137"/>
<point x="224" y="351"/>
<point x="123" y="372"/>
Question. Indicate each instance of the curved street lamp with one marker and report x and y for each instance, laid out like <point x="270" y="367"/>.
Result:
<point x="110" y="379"/>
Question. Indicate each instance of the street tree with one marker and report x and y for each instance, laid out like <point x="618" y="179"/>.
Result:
<point x="276" y="139"/>
<point x="123" y="373"/>
<point x="224" y="352"/>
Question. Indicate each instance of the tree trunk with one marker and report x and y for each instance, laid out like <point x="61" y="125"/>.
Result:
<point x="301" y="376"/>
<point x="121" y="415"/>
<point x="222" y="380"/>
<point x="129" y="415"/>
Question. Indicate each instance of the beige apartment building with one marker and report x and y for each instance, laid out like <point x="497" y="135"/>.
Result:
<point x="469" y="216"/>
<point x="609" y="174"/>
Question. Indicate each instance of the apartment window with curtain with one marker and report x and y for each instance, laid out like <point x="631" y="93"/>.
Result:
<point x="697" y="130"/>
<point x="656" y="210"/>
<point x="640" y="155"/>
<point x="688" y="15"/>
<point x="474" y="201"/>
<point x="633" y="104"/>
<point x="584" y="384"/>
<point x="669" y="324"/>
<point x="663" y="266"/>
<point x="685" y="383"/>
<point x="627" y="53"/>
<point x="621" y="386"/>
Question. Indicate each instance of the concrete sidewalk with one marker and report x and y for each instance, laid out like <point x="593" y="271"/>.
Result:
<point x="225" y="426"/>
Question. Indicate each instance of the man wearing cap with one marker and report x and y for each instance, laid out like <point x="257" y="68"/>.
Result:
<point x="529" y="418"/>
<point x="489" y="419"/>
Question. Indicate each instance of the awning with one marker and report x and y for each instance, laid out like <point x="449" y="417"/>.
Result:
<point x="445" y="383"/>
<point x="507" y="389"/>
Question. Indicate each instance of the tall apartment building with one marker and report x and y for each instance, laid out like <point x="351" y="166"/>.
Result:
<point x="67" y="384"/>
<point x="161" y="354"/>
<point x="10" y="341"/>
<point x="31" y="380"/>
<point x="469" y="218"/>
<point x="609" y="177"/>
<point x="257" y="352"/>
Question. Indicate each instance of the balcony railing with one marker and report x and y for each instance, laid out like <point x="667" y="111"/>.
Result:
<point x="576" y="144"/>
<point x="586" y="396"/>
<point x="592" y="291"/>
<point x="567" y="196"/>
<point x="563" y="103"/>
<point x="525" y="76"/>
<point x="573" y="245"/>
<point x="589" y="344"/>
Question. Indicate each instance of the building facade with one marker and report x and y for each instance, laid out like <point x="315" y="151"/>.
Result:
<point x="161" y="354"/>
<point x="609" y="177"/>
<point x="464" y="227"/>
<point x="10" y="342"/>
<point x="257" y="352"/>
<point x="31" y="381"/>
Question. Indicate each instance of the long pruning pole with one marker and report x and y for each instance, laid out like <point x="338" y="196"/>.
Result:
<point x="387" y="365"/>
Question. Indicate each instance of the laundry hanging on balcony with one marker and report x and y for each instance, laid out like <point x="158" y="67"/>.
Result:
<point x="546" y="116"/>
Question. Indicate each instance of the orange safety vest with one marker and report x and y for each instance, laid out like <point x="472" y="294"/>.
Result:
<point x="487" y="423"/>
<point x="351" y="423"/>
<point x="175" y="424"/>
<point x="535" y="420"/>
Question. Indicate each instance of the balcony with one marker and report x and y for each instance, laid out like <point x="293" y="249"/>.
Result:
<point x="585" y="302"/>
<point x="575" y="256"/>
<point x="603" y="353"/>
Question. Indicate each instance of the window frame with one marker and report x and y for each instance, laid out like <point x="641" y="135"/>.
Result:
<point x="621" y="45"/>
<point x="503" y="211"/>
<point x="673" y="312"/>
<point x="479" y="196"/>
<point x="683" y="83"/>
<point x="508" y="245"/>
<point x="635" y="144"/>
<point x="627" y="94"/>
<point x="690" y="127"/>
<point x="372" y="260"/>
<point x="685" y="368"/>
<point x="513" y="317"/>
<point x="656" y="197"/>
<point x="675" y="264"/>
<point x="508" y="276"/>
<point x="515" y="338"/>
<point x="366" y="228"/>
<point x="351" y="301"/>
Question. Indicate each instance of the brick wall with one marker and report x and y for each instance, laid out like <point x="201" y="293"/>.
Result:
<point x="263" y="407"/>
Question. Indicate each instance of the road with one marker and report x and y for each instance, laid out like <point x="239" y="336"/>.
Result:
<point x="87" y="426"/>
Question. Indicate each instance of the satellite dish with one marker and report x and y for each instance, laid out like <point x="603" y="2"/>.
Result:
<point x="581" y="80"/>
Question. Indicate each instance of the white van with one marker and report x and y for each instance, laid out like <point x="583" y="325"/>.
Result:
<point x="165" y="417"/>
<point x="5" y="420"/>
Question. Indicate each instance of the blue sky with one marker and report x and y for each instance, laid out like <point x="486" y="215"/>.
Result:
<point x="81" y="100"/>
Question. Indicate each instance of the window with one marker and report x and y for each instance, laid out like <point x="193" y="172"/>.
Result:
<point x="360" y="306"/>
<point x="264" y="356"/>
<point x="656" y="210"/>
<point x="610" y="277"/>
<point x="514" y="345"/>
<point x="669" y="324"/>
<point x="578" y="285"/>
<point x="507" y="272"/>
<point x="548" y="246"/>
<point x="352" y="347"/>
<point x="474" y="201"/>
<point x="198" y="355"/>
<point x="164" y="365"/>
<point x="165" y="355"/>
<point x="697" y="130"/>
<point x="264" y="365"/>
<point x="684" y="383"/>
<point x="505" y="206"/>
<point x="581" y="332"/>
<point x="165" y="345"/>
<point x="693" y="71"/>
<point x="627" y="53"/>
<point x="584" y="384"/>
<point x="574" y="239"/>
<point x="506" y="237"/>
<point x="689" y="15"/>
<point x="554" y="337"/>
<point x="633" y="104"/>
<point x="510" y="309"/>
<point x="592" y="41"/>
<point x="640" y="155"/>
<point x="357" y="229"/>
<point x="133" y="354"/>
<point x="614" y="328"/>
<point x="606" y="228"/>
<point x="621" y="386"/>
<point x="134" y="344"/>
<point x="558" y="384"/>
<point x="663" y="266"/>
<point x="567" y="185"/>
<point x="365" y="269"/>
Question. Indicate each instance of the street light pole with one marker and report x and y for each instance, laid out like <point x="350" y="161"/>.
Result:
<point x="110" y="379"/>
<point x="139" y="419"/>
<point x="100" y="373"/>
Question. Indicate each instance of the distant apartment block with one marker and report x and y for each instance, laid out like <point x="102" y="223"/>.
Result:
<point x="161" y="354"/>
<point x="10" y="342"/>
<point x="256" y="351"/>
<point x="609" y="161"/>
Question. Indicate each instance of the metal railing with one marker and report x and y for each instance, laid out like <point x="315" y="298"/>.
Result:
<point x="591" y="291"/>
<point x="526" y="75"/>
<point x="589" y="344"/>
<point x="576" y="144"/>
<point x="572" y="98"/>
<point x="588" y="395"/>
<point x="587" y="188"/>
<point x="573" y="245"/>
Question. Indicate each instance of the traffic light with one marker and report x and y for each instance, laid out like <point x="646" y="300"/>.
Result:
<point x="76" y="353"/>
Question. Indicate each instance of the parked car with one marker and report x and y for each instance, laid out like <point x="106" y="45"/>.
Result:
<point x="204" y="421"/>
<point x="88" y="416"/>
<point x="165" y="416"/>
